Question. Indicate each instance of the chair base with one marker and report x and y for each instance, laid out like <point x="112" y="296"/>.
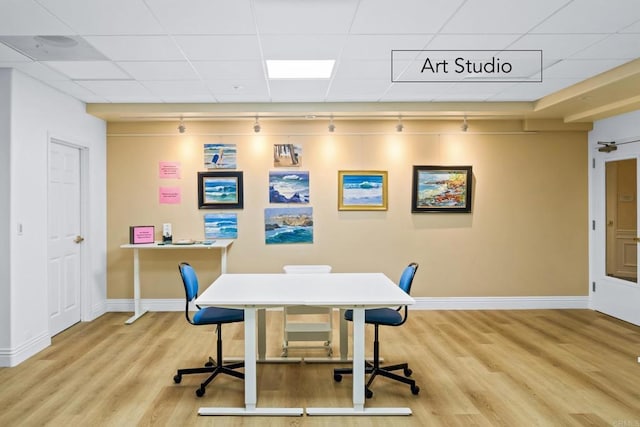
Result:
<point x="214" y="370"/>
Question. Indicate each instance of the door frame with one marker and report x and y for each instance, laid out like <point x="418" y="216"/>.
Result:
<point x="85" y="250"/>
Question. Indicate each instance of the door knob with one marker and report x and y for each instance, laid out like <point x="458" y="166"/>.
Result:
<point x="78" y="239"/>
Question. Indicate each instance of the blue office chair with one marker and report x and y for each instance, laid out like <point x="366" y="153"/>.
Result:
<point x="208" y="316"/>
<point x="384" y="317"/>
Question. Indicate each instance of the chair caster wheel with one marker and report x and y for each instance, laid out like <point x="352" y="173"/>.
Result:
<point x="368" y="393"/>
<point x="200" y="392"/>
<point x="177" y="379"/>
<point x="208" y="364"/>
<point x="407" y="372"/>
<point x="337" y="377"/>
<point x="415" y="389"/>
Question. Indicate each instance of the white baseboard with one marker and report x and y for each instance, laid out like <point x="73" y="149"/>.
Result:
<point x="14" y="356"/>
<point x="422" y="303"/>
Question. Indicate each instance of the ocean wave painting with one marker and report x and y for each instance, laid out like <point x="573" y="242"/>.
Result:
<point x="220" y="226"/>
<point x="288" y="187"/>
<point x="220" y="190"/>
<point x="220" y="156"/>
<point x="442" y="189"/>
<point x="363" y="190"/>
<point x="288" y="225"/>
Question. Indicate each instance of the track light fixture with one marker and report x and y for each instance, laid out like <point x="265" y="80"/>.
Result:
<point x="607" y="146"/>
<point x="256" y="126"/>
<point x="181" y="126"/>
<point x="464" y="126"/>
<point x="399" y="126"/>
<point x="332" y="126"/>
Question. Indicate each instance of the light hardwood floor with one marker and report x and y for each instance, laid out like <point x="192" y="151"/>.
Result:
<point x="483" y="368"/>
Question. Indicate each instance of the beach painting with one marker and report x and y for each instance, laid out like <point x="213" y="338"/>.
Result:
<point x="288" y="186"/>
<point x="287" y="155"/>
<point x="362" y="190"/>
<point x="442" y="188"/>
<point x="220" y="156"/>
<point x="220" y="190"/>
<point x="220" y="226"/>
<point x="288" y="225"/>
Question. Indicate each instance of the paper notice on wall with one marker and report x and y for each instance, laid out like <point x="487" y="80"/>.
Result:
<point x="170" y="195"/>
<point x="169" y="170"/>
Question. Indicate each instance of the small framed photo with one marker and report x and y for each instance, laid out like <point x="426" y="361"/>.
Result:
<point x="220" y="190"/>
<point x="141" y="234"/>
<point x="442" y="189"/>
<point x="362" y="190"/>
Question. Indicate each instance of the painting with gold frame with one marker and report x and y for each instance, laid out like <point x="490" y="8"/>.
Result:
<point x="362" y="190"/>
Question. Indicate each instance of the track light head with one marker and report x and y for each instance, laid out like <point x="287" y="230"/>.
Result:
<point x="181" y="126"/>
<point x="399" y="126"/>
<point x="256" y="126"/>
<point x="607" y="146"/>
<point x="464" y="126"/>
<point x="332" y="126"/>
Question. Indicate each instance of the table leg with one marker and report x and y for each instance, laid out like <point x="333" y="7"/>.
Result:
<point x="137" y="306"/>
<point x="262" y="334"/>
<point x="223" y="260"/>
<point x="344" y="336"/>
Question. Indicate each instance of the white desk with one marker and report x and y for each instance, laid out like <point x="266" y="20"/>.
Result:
<point x="355" y="291"/>
<point x="221" y="244"/>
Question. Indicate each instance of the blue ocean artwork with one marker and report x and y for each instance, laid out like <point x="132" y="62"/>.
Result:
<point x="442" y="189"/>
<point x="221" y="190"/>
<point x="221" y="226"/>
<point x="362" y="190"/>
<point x="220" y="156"/>
<point x="288" y="225"/>
<point x="288" y="187"/>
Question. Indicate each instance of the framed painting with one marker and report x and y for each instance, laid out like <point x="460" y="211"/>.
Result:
<point x="442" y="189"/>
<point x="220" y="190"/>
<point x="362" y="190"/>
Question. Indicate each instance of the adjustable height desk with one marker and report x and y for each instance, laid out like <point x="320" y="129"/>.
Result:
<point x="355" y="291"/>
<point x="221" y="244"/>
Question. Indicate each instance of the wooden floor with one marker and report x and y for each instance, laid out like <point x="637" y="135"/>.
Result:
<point x="482" y="368"/>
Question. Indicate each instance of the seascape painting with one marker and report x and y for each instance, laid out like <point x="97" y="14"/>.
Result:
<point x="220" y="156"/>
<point x="442" y="189"/>
<point x="362" y="190"/>
<point x="288" y="187"/>
<point x="287" y="155"/>
<point x="220" y="226"/>
<point x="220" y="190"/>
<point x="288" y="225"/>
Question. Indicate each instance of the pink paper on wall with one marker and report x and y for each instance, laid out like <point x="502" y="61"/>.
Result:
<point x="170" y="195"/>
<point x="169" y="170"/>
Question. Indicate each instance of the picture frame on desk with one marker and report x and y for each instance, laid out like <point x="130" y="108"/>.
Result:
<point x="220" y="190"/>
<point x="142" y="234"/>
<point x="442" y="189"/>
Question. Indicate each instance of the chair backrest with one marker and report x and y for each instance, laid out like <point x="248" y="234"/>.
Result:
<point x="407" y="277"/>
<point x="306" y="269"/>
<point x="190" y="281"/>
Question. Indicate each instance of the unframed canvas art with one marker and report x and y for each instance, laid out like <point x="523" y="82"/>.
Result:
<point x="220" y="156"/>
<point x="288" y="225"/>
<point x="220" y="226"/>
<point x="288" y="187"/>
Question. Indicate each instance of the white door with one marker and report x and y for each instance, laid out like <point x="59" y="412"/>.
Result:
<point x="64" y="237"/>
<point x="614" y="289"/>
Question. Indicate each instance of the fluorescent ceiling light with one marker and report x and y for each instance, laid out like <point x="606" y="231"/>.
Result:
<point x="300" y="69"/>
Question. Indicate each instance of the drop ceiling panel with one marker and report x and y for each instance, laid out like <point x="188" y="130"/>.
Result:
<point x="588" y="16"/>
<point x="93" y="70"/>
<point x="415" y="91"/>
<point x="203" y="16"/>
<point x="501" y="16"/>
<point x="172" y="89"/>
<point x="139" y="48"/>
<point x="376" y="46"/>
<point x="26" y="17"/>
<point x="8" y="54"/>
<point x="555" y="46"/>
<point x="304" y="17"/>
<point x="302" y="46"/>
<point x="298" y="90"/>
<point x="582" y="69"/>
<point x="472" y="41"/>
<point x="120" y="91"/>
<point x="616" y="46"/>
<point x="40" y="71"/>
<point x="403" y="16"/>
<point x="76" y="90"/>
<point x="357" y="90"/>
<point x="159" y="70"/>
<point x="105" y="17"/>
<point x="238" y="90"/>
<point x="225" y="70"/>
<point x="366" y="70"/>
<point x="219" y="48"/>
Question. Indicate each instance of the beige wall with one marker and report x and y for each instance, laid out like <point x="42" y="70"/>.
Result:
<point x="526" y="236"/>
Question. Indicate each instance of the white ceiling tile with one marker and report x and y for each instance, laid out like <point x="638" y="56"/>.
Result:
<point x="114" y="90"/>
<point x="616" y="46"/>
<point x="304" y="17"/>
<point x="592" y="16"/>
<point x="137" y="48"/>
<point x="633" y="28"/>
<point x="97" y="17"/>
<point x="40" y="71"/>
<point x="403" y="16"/>
<point x="219" y="48"/>
<point x="501" y="16"/>
<point x="415" y="91"/>
<point x="239" y="90"/>
<point x="75" y="90"/>
<point x="302" y="46"/>
<point x="204" y="16"/>
<point x="471" y="41"/>
<point x="376" y="46"/>
<point x="8" y="54"/>
<point x="298" y="90"/>
<point x="580" y="68"/>
<point x="159" y="70"/>
<point x="27" y="18"/>
<point x="363" y="69"/>
<point x="357" y="90"/>
<point x="225" y="70"/>
<point x="187" y="88"/>
<point x="78" y="70"/>
<point x="556" y="46"/>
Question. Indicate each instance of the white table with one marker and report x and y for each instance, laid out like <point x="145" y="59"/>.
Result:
<point x="221" y="244"/>
<point x="251" y="292"/>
